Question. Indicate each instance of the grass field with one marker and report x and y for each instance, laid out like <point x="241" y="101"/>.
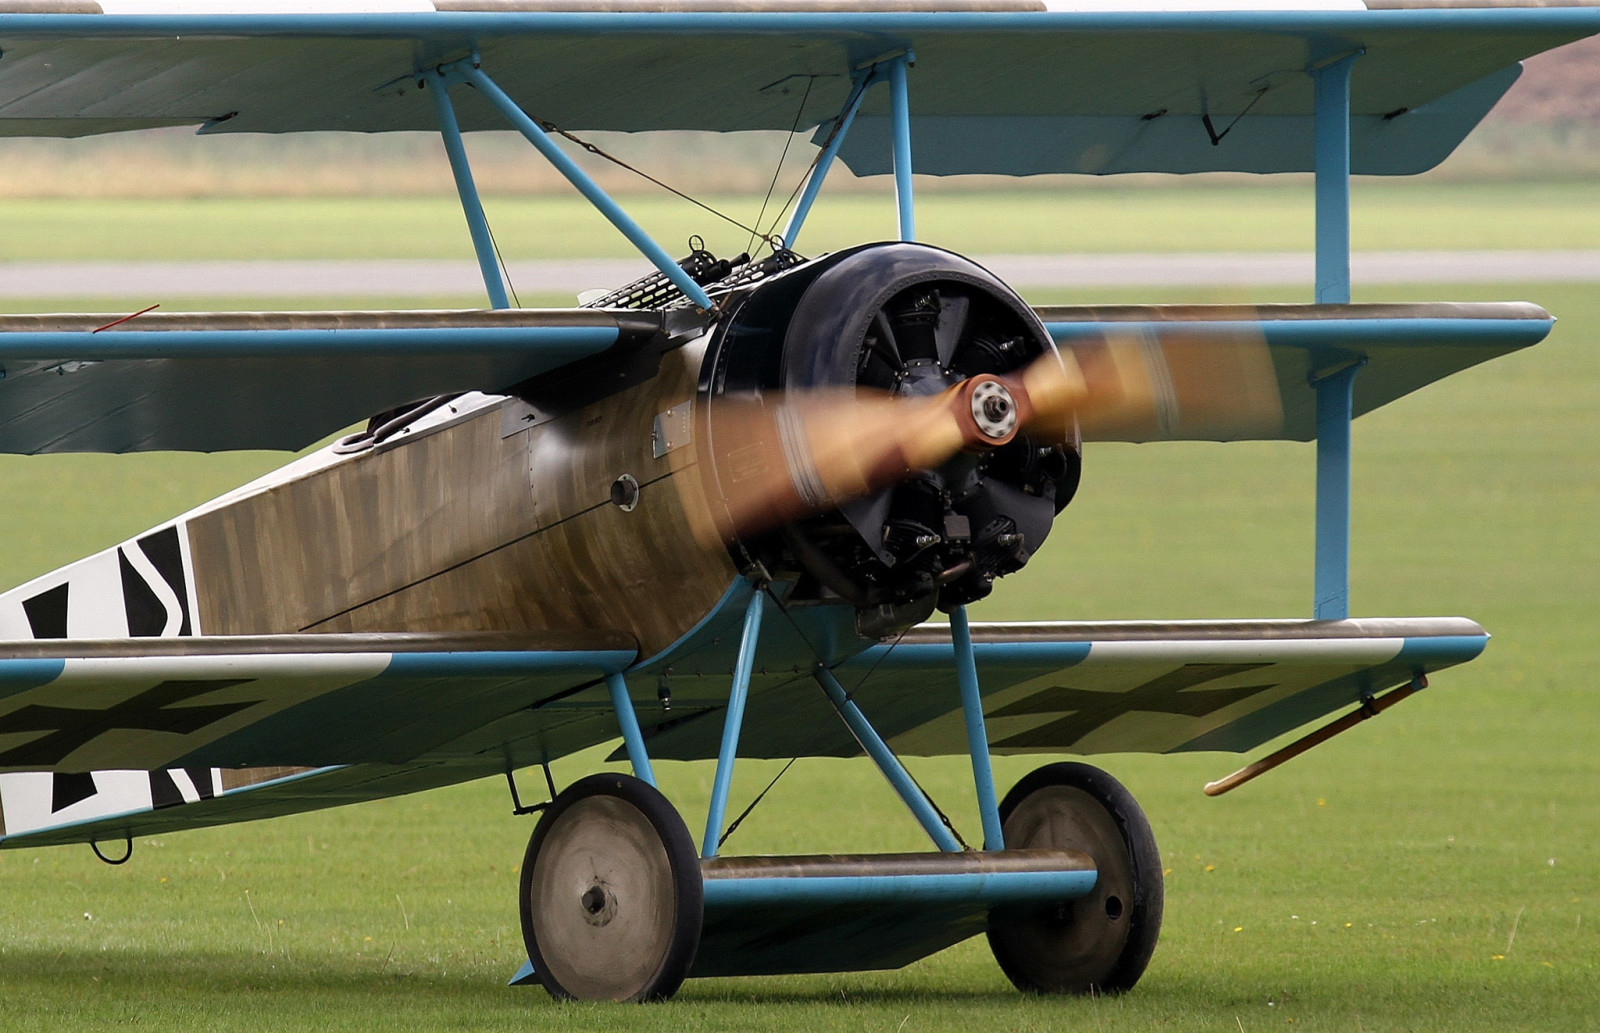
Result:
<point x="1273" y="216"/>
<point x="1437" y="869"/>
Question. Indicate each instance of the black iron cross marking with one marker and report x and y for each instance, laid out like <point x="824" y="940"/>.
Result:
<point x="72" y="727"/>
<point x="1089" y="711"/>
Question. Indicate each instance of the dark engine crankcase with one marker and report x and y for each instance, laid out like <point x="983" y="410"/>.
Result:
<point x="912" y="320"/>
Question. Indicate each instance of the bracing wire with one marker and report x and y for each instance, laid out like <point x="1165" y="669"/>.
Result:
<point x="816" y="159"/>
<point x="746" y="812"/>
<point x="778" y="169"/>
<point x="505" y="270"/>
<point x="597" y="151"/>
<point x="850" y="695"/>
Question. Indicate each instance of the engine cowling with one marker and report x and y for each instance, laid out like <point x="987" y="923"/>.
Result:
<point x="913" y="321"/>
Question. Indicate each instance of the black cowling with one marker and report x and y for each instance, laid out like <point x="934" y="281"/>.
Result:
<point x="912" y="320"/>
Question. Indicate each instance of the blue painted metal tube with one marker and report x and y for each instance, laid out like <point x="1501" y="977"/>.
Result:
<point x="586" y="186"/>
<point x="914" y="799"/>
<point x="506" y="663"/>
<point x="981" y="888"/>
<point x="471" y="206"/>
<point x="457" y="25"/>
<point x="628" y="721"/>
<point x="1332" y="163"/>
<point x="1335" y="404"/>
<point x="1342" y="334"/>
<point x="900" y="115"/>
<point x="977" y="734"/>
<point x="561" y="343"/>
<point x="17" y="675"/>
<point x="732" y="723"/>
<point x="819" y="172"/>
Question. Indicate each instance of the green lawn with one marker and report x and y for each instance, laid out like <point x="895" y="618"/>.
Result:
<point x="1437" y="869"/>
<point x="1272" y="216"/>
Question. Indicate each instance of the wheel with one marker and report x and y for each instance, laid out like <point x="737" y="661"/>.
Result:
<point x="1100" y="943"/>
<point x="611" y="896"/>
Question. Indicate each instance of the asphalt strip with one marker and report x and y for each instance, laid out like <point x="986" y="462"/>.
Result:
<point x="401" y="277"/>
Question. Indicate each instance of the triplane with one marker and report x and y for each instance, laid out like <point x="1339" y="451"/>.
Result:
<point x="712" y="511"/>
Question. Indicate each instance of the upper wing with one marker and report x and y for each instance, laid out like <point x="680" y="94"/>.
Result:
<point x="1097" y="688"/>
<point x="1014" y="86"/>
<point x="211" y="382"/>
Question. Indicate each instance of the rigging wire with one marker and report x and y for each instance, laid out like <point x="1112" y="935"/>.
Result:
<point x="778" y="169"/>
<point x="850" y="695"/>
<point x="597" y="151"/>
<point x="505" y="270"/>
<point x="746" y="812"/>
<point x="816" y="159"/>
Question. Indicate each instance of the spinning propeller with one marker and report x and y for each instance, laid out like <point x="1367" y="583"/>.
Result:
<point x="805" y="452"/>
<point x="895" y="422"/>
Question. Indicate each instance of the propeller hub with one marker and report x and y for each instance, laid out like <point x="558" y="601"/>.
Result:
<point x="994" y="410"/>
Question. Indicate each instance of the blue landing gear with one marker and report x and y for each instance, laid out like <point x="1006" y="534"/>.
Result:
<point x="1095" y="944"/>
<point x="611" y="894"/>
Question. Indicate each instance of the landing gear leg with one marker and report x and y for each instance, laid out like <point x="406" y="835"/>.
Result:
<point x="611" y="896"/>
<point x="1096" y="944"/>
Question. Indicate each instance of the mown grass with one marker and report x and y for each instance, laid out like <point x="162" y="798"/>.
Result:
<point x="1272" y="216"/>
<point x="1433" y="870"/>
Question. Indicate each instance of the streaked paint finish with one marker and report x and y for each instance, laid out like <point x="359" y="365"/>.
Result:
<point x="471" y="528"/>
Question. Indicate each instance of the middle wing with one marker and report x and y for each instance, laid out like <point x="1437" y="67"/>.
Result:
<point x="209" y="382"/>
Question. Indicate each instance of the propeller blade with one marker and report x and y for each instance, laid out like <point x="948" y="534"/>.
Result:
<point x="786" y="456"/>
<point x="1155" y="387"/>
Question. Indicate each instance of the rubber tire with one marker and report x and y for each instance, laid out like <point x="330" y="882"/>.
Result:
<point x="606" y="833"/>
<point x="1100" y="943"/>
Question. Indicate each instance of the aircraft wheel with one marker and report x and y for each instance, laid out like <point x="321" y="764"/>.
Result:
<point x="612" y="899"/>
<point x="1100" y="943"/>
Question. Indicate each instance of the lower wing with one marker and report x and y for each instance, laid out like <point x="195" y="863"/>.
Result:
<point x="105" y="739"/>
<point x="1110" y="687"/>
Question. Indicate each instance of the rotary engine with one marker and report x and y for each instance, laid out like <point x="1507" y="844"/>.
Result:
<point x="911" y="321"/>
